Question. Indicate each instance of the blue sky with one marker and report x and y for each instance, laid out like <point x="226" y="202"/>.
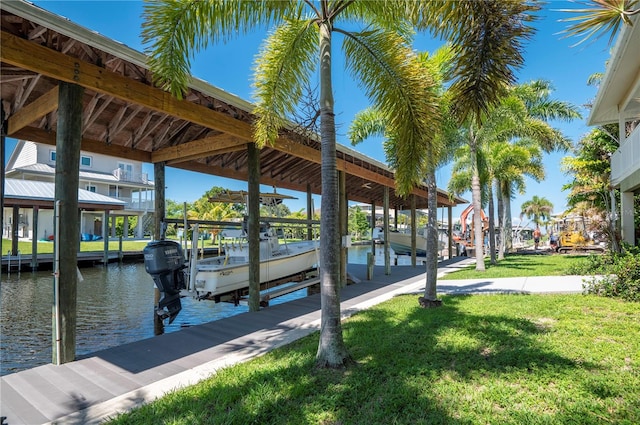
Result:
<point x="229" y="66"/>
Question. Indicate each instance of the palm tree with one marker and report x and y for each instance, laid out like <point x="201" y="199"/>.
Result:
<point x="487" y="34"/>
<point x="524" y="113"/>
<point x="370" y="122"/>
<point x="541" y="109"/>
<point x="301" y="42"/>
<point x="505" y="123"/>
<point x="511" y="163"/>
<point x="538" y="209"/>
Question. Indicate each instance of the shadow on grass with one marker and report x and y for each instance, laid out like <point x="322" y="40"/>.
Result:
<point x="406" y="363"/>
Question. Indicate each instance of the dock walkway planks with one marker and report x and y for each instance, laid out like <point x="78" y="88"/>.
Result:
<point x="100" y="385"/>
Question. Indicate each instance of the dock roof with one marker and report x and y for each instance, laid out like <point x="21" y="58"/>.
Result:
<point x="126" y="116"/>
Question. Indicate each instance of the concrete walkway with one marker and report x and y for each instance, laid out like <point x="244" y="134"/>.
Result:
<point x="520" y="285"/>
<point x="98" y="386"/>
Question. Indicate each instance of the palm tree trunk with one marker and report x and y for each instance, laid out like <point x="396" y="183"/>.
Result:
<point x="430" y="293"/>
<point x="332" y="352"/>
<point x="476" y="197"/>
<point x="508" y="225"/>
<point x="492" y="229"/>
<point x="501" y="225"/>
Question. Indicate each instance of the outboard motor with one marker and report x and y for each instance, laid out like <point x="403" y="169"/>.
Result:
<point x="164" y="261"/>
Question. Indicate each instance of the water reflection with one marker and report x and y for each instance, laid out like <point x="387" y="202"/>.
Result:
<point x="115" y="307"/>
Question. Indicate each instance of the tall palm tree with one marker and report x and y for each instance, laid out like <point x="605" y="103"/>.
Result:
<point x="524" y="112"/>
<point x="541" y="109"/>
<point x="301" y="42"/>
<point x="370" y="122"/>
<point x="507" y="121"/>
<point x="538" y="209"/>
<point x="488" y="36"/>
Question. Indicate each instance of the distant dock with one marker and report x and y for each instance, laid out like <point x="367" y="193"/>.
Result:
<point x="23" y="262"/>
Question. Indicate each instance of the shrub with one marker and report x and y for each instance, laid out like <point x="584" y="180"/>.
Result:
<point x="622" y="278"/>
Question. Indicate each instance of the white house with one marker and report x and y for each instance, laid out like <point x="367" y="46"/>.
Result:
<point x="618" y="101"/>
<point x="117" y="178"/>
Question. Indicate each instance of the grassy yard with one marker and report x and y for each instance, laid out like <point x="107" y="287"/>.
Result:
<point x="47" y="247"/>
<point x="520" y="265"/>
<point x="499" y="359"/>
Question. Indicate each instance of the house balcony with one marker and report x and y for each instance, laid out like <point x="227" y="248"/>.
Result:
<point x="624" y="161"/>
<point x="135" y="204"/>
<point x="130" y="177"/>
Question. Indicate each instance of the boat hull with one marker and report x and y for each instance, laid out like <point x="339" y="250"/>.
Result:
<point x="401" y="244"/>
<point x="222" y="275"/>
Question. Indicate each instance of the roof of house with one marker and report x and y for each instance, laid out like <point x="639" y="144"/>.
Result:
<point x="29" y="193"/>
<point x="46" y="169"/>
<point x="619" y="91"/>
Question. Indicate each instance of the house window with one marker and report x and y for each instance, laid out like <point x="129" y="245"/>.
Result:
<point x="91" y="188"/>
<point x="52" y="156"/>
<point x="85" y="161"/>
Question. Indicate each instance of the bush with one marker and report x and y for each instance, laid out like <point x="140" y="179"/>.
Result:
<point x="593" y="264"/>
<point x="621" y="280"/>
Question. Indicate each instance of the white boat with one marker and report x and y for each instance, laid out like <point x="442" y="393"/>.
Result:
<point x="220" y="277"/>
<point x="401" y="243"/>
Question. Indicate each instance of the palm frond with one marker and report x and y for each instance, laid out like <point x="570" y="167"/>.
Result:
<point x="605" y="17"/>
<point x="366" y="123"/>
<point x="488" y="39"/>
<point x="389" y="73"/>
<point x="174" y="31"/>
<point x="282" y="70"/>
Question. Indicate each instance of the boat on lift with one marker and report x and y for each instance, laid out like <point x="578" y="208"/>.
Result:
<point x="226" y="277"/>
<point x="401" y="242"/>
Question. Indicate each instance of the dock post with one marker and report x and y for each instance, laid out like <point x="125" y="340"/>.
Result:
<point x="105" y="233"/>
<point x="120" y="255"/>
<point x="370" y="263"/>
<point x="34" y="239"/>
<point x="387" y="259"/>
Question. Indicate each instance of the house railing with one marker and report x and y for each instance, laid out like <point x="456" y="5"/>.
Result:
<point x="136" y="204"/>
<point x="128" y="176"/>
<point x="624" y="161"/>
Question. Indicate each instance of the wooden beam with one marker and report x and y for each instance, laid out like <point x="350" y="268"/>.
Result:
<point x="37" y="109"/>
<point x="197" y="148"/>
<point x="29" y="55"/>
<point x="217" y="152"/>
<point x="297" y="149"/>
<point x="87" y="145"/>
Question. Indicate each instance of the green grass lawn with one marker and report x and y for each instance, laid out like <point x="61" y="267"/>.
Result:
<point x="517" y="265"/>
<point x="47" y="247"/>
<point x="499" y="359"/>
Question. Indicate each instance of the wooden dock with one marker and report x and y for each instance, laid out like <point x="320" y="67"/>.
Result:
<point x="100" y="385"/>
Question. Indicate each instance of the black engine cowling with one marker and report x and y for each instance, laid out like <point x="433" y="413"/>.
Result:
<point x="164" y="261"/>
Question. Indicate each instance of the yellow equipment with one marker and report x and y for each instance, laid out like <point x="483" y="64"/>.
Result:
<point x="572" y="235"/>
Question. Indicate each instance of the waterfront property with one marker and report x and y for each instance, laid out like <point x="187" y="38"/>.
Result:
<point x="72" y="88"/>
<point x="114" y="181"/>
<point x="102" y="383"/>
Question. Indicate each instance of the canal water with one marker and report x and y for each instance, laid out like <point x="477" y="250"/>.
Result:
<point x="115" y="307"/>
